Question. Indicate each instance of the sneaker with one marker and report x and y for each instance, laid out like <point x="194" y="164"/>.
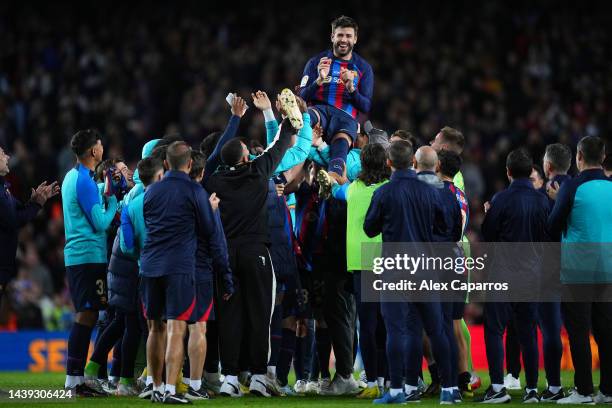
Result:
<point x="325" y="386"/>
<point x="447" y="397"/>
<point x="457" y="396"/>
<point x="260" y="386"/>
<point x="325" y="184"/>
<point x="290" y="107"/>
<point x="432" y="390"/>
<point x="230" y="389"/>
<point x="341" y="386"/>
<point x="212" y="383"/>
<point x="413" y="397"/>
<point x="83" y="391"/>
<point x="146" y="392"/>
<point x="475" y="382"/>
<point x="175" y="399"/>
<point x="96" y="385"/>
<point x="312" y="387"/>
<point x="300" y="386"/>
<point x="196" y="395"/>
<point x="531" y="397"/>
<point x="126" y="390"/>
<point x="109" y="387"/>
<point x="492" y="397"/>
<point x="157" y="396"/>
<point x="388" y="399"/>
<point x="548" y="396"/>
<point x="512" y="383"/>
<point x="287" y="391"/>
<point x="421" y="386"/>
<point x="275" y="387"/>
<point x="576" y="398"/>
<point x="602" y="398"/>
<point x="370" y="393"/>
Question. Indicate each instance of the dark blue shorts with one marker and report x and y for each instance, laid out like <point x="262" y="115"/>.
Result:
<point x="170" y="297"/>
<point x="334" y="121"/>
<point x="87" y="285"/>
<point x="204" y="309"/>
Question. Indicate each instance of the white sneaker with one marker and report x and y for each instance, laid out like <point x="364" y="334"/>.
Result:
<point x="300" y="386"/>
<point x="601" y="398"/>
<point x="512" y="383"/>
<point x="124" y="390"/>
<point x="274" y="386"/>
<point x="291" y="108"/>
<point x="230" y="389"/>
<point x="324" y="386"/>
<point x="212" y="382"/>
<point x="260" y="386"/>
<point x="576" y="398"/>
<point x="312" y="387"/>
<point x="341" y="386"/>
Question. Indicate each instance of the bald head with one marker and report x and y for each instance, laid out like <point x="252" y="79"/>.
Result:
<point x="425" y="159"/>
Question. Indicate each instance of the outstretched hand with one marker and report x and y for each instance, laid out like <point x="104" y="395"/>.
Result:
<point x="44" y="192"/>
<point x="239" y="106"/>
<point x="261" y="100"/>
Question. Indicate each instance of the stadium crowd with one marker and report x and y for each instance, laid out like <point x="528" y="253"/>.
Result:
<point x="160" y="82"/>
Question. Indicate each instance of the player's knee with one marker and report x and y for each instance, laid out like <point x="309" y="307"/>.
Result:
<point x="342" y="135"/>
<point x="87" y="317"/>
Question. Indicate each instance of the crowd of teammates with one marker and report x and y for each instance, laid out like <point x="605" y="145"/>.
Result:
<point x="232" y="264"/>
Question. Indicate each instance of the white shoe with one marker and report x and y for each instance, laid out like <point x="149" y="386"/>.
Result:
<point x="300" y="386"/>
<point x="325" y="386"/>
<point x="124" y="390"/>
<point x="512" y="383"/>
<point x="312" y="387"/>
<point x="260" y="386"/>
<point x="291" y="108"/>
<point x="601" y="398"/>
<point x="341" y="386"/>
<point x="274" y="386"/>
<point x="230" y="389"/>
<point x="212" y="382"/>
<point x="576" y="398"/>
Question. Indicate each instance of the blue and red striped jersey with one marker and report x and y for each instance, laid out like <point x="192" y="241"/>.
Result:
<point x="332" y="91"/>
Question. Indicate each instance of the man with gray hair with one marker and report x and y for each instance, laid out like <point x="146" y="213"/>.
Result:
<point x="557" y="161"/>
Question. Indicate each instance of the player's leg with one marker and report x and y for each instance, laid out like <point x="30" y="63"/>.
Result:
<point x="525" y="318"/>
<point x="153" y="302"/>
<point x="434" y="387"/>
<point x="276" y="331"/>
<point x="602" y="331"/>
<point x="87" y="284"/>
<point x="106" y="341"/>
<point x="196" y="345"/>
<point x="496" y="316"/>
<point x="447" y="311"/>
<point x="287" y="351"/>
<point x="549" y="318"/>
<point x="129" y="348"/>
<point x="513" y="357"/>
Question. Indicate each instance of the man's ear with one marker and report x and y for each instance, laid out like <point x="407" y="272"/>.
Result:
<point x="414" y="162"/>
<point x="166" y="165"/>
<point x="190" y="164"/>
<point x="389" y="164"/>
<point x="508" y="173"/>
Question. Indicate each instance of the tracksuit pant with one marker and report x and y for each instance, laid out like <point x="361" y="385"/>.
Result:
<point x="497" y="316"/>
<point x="580" y="319"/>
<point x="247" y="314"/>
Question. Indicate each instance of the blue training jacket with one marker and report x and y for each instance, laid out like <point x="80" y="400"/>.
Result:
<point x="85" y="218"/>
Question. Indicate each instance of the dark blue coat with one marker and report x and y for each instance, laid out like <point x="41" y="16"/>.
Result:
<point x="122" y="279"/>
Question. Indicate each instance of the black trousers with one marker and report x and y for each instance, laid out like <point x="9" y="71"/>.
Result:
<point x="245" y="317"/>
<point x="580" y="319"/>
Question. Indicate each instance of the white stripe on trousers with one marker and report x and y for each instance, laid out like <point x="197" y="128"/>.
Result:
<point x="273" y="302"/>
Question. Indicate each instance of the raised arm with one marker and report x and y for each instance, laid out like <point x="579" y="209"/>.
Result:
<point x="89" y="201"/>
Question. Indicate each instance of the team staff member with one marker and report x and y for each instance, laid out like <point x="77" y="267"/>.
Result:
<point x="87" y="216"/>
<point x="242" y="187"/>
<point x="176" y="210"/>
<point x="14" y="215"/>
<point x="582" y="214"/>
<point x="406" y="210"/>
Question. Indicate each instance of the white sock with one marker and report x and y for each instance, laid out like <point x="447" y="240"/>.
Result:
<point x="381" y="381"/>
<point x="186" y="381"/>
<point x="171" y="388"/>
<point x="531" y="389"/>
<point x="408" y="389"/>
<point x="497" y="387"/>
<point x="72" y="381"/>
<point x="196" y="384"/>
<point x="395" y="391"/>
<point x="112" y="378"/>
<point x="81" y="379"/>
<point x="159" y="388"/>
<point x="231" y="379"/>
<point x="372" y="384"/>
<point x="447" y="389"/>
<point x="554" y="389"/>
<point x="455" y="388"/>
<point x="149" y="380"/>
<point x="272" y="371"/>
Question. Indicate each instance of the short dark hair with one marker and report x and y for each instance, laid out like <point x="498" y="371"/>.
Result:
<point x="231" y="153"/>
<point x="454" y="138"/>
<point x="607" y="163"/>
<point x="178" y="155"/>
<point x="519" y="163"/>
<point x="103" y="166"/>
<point x="147" y="168"/>
<point x="404" y="135"/>
<point x="450" y="162"/>
<point x="83" y="140"/>
<point x="560" y="156"/>
<point x="159" y="152"/>
<point x="400" y="154"/>
<point x="344" y="22"/>
<point x="207" y="146"/>
<point x="373" y="164"/>
<point x="593" y="150"/>
<point x="198" y="164"/>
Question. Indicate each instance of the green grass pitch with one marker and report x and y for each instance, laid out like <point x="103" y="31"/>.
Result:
<point x="22" y="380"/>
